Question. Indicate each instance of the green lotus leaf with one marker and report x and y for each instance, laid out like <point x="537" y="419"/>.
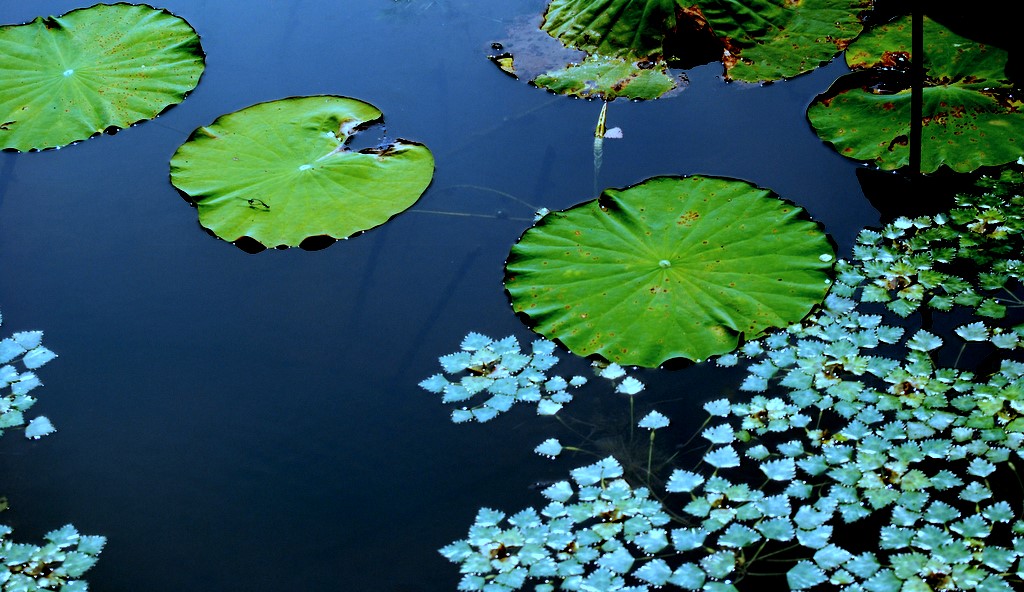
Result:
<point x="970" y="118"/>
<point x="777" y="39"/>
<point x="609" y="78"/>
<point x="674" y="267"/>
<point x="614" y="28"/>
<point x="68" y="78"/>
<point x="281" y="172"/>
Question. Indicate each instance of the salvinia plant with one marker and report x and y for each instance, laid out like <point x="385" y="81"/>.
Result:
<point x="862" y="456"/>
<point x="65" y="555"/>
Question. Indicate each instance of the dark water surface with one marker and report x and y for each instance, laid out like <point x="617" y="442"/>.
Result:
<point x="252" y="422"/>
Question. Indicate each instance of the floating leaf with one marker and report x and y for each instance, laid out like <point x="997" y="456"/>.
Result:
<point x="624" y="28"/>
<point x="805" y="575"/>
<point x="609" y="78"/>
<point x="629" y="386"/>
<point x="968" y="119"/>
<point x="67" y="78"/>
<point x="281" y="172"/>
<point x="39" y="427"/>
<point x="723" y="458"/>
<point x="675" y="267"/>
<point x="682" y="481"/>
<point x="653" y="421"/>
<point x="771" y="40"/>
<point x="549" y="448"/>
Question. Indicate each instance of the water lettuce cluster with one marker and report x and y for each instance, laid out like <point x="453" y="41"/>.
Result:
<point x="852" y="424"/>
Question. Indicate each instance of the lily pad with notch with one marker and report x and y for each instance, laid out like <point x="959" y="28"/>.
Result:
<point x="281" y="172"/>
<point x="92" y="70"/>
<point x="670" y="268"/>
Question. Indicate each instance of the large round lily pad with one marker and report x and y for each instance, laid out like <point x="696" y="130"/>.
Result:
<point x="971" y="117"/>
<point x="674" y="267"/>
<point x="65" y="79"/>
<point x="281" y="172"/>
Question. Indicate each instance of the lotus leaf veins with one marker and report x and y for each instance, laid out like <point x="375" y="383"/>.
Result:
<point x="65" y="79"/>
<point x="674" y="267"/>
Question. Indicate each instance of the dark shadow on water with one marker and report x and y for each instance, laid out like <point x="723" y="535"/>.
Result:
<point x="896" y="194"/>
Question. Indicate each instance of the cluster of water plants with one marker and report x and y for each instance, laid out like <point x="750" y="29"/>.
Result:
<point x="859" y="417"/>
<point x="66" y="555"/>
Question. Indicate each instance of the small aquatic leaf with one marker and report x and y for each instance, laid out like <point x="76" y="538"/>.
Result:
<point x="629" y="386"/>
<point x="688" y="576"/>
<point x="758" y="452"/>
<point x="484" y="414"/>
<point x="653" y="421"/>
<point x="805" y="575"/>
<point x="605" y="468"/>
<point x="686" y="539"/>
<point x="999" y="512"/>
<point x="655" y="572"/>
<point x="976" y="331"/>
<point x="924" y="341"/>
<point x="474" y="341"/>
<point x="37" y="356"/>
<point x="281" y="172"/>
<point x="723" y="457"/>
<point x="618" y="561"/>
<point x="719" y="564"/>
<point x="548" y="407"/>
<point x="814" y="539"/>
<point x="652" y="542"/>
<point x="975" y="492"/>
<point x="718" y="408"/>
<point x="435" y="384"/>
<point x="39" y="427"/>
<point x="612" y="371"/>
<point x="738" y="535"/>
<point x="777" y="529"/>
<point x="682" y="481"/>
<point x="783" y="469"/>
<point x="550" y="448"/>
<point x="719" y="434"/>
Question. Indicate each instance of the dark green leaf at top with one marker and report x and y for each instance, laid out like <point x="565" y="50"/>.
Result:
<point x="970" y="117"/>
<point x="614" y="28"/>
<point x="777" y="39"/>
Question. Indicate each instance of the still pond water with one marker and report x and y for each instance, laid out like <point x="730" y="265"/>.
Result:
<point x="236" y="421"/>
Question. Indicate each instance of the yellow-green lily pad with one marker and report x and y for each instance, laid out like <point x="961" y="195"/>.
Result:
<point x="282" y="171"/>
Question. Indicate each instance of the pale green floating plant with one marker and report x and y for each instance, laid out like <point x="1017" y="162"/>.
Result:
<point x="66" y="555"/>
<point x="496" y="374"/>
